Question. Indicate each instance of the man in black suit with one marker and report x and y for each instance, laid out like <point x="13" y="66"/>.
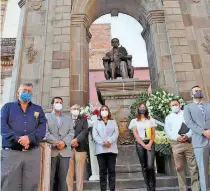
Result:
<point x="79" y="149"/>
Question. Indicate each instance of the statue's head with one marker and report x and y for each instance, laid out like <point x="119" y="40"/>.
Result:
<point x="115" y="42"/>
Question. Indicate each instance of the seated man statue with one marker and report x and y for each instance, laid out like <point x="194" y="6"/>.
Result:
<point x="117" y="62"/>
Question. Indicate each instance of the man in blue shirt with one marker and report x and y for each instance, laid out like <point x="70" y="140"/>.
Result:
<point x="23" y="126"/>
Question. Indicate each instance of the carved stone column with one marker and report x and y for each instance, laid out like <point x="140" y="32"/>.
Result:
<point x="79" y="62"/>
<point x="159" y="57"/>
<point x="30" y="47"/>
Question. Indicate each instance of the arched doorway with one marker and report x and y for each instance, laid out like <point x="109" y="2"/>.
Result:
<point x="85" y="12"/>
<point x="128" y="30"/>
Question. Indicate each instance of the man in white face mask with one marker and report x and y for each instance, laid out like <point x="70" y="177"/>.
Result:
<point x="182" y="149"/>
<point x="79" y="149"/>
<point x="60" y="133"/>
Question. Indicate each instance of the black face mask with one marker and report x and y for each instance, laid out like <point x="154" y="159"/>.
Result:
<point x="142" y="111"/>
<point x="198" y="94"/>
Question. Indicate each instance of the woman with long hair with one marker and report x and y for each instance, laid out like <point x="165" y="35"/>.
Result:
<point x="144" y="131"/>
<point x="105" y="135"/>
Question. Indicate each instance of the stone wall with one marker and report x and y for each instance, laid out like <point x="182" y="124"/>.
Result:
<point x="159" y="55"/>
<point x="43" y="55"/>
<point x="100" y="43"/>
<point x="53" y="45"/>
<point x="3" y="13"/>
<point x="179" y="48"/>
<point x="58" y="51"/>
<point x="30" y="48"/>
<point x="196" y="19"/>
<point x="7" y="57"/>
<point x="187" y="28"/>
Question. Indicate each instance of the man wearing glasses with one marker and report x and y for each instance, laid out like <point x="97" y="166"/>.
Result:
<point x="197" y="117"/>
<point x="23" y="126"/>
<point x="182" y="149"/>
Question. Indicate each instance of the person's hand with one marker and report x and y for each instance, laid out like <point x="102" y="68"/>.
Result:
<point x="107" y="144"/>
<point x="148" y="147"/>
<point x="26" y="147"/>
<point x="179" y="139"/>
<point x="24" y="140"/>
<point x="74" y="143"/>
<point x="184" y="138"/>
<point x="206" y="133"/>
<point x="60" y="145"/>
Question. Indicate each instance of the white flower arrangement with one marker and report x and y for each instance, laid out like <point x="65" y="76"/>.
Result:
<point x="161" y="138"/>
<point x="90" y="112"/>
<point x="161" y="100"/>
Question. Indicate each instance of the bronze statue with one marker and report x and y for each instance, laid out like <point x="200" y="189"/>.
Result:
<point x="117" y="62"/>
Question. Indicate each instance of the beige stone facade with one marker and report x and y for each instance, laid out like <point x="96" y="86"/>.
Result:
<point x="7" y="58"/>
<point x="100" y="44"/>
<point x="53" y="45"/>
<point x="3" y="4"/>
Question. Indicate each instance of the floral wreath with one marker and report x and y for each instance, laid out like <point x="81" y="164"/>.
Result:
<point x="89" y="111"/>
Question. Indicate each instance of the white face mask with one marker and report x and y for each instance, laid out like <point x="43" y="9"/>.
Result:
<point x="58" y="106"/>
<point x="75" y="113"/>
<point x="104" y="113"/>
<point x="175" y="109"/>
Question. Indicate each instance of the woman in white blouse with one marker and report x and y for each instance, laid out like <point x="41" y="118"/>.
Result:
<point x="105" y="135"/>
<point x="144" y="131"/>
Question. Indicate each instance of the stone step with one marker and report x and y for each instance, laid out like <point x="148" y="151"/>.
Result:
<point x="162" y="183"/>
<point x="144" y="189"/>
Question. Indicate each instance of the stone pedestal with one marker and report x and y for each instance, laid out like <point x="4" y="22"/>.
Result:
<point x="119" y="95"/>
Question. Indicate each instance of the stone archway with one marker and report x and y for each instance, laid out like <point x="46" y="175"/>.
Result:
<point x="149" y="14"/>
<point x="53" y="37"/>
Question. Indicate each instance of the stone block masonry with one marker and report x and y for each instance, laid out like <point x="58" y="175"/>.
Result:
<point x="179" y="48"/>
<point x="61" y="50"/>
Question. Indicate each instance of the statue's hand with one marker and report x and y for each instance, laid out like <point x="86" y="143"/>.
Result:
<point x="120" y="56"/>
<point x="105" y="58"/>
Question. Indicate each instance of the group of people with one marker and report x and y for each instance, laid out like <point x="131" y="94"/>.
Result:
<point x="189" y="131"/>
<point x="24" y="125"/>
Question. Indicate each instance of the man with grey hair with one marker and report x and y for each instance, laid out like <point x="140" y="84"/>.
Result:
<point x="79" y="149"/>
<point x="23" y="126"/>
<point x="197" y="118"/>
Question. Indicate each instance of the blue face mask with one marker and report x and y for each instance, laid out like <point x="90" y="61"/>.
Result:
<point x="25" y="96"/>
<point x="198" y="94"/>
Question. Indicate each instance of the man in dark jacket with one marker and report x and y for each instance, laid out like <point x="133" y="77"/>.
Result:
<point x="23" y="126"/>
<point x="79" y="148"/>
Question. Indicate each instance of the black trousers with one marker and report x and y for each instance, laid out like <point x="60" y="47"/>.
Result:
<point x="146" y="159"/>
<point x="59" y="170"/>
<point x="107" y="162"/>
